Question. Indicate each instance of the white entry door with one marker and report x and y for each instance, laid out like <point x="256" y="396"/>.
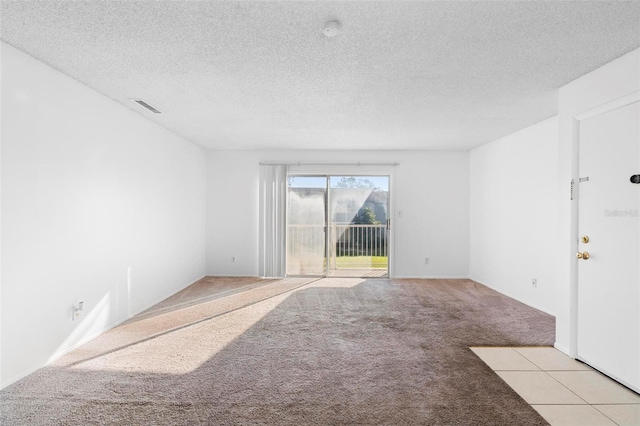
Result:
<point x="609" y="244"/>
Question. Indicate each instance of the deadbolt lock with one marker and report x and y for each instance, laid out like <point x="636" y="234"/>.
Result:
<point x="585" y="239"/>
<point x="584" y="255"/>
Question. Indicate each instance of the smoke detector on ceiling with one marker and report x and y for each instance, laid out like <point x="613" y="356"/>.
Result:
<point x="331" y="29"/>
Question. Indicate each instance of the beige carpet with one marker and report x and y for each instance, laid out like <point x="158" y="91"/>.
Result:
<point x="333" y="351"/>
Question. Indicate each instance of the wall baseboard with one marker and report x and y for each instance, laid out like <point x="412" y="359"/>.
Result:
<point x="561" y="348"/>
<point x="511" y="296"/>
<point x="435" y="277"/>
<point x="92" y="336"/>
<point x="232" y="276"/>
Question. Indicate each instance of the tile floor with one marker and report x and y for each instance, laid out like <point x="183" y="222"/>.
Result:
<point x="564" y="391"/>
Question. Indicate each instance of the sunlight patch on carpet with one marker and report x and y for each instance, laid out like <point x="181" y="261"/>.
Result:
<point x="183" y="350"/>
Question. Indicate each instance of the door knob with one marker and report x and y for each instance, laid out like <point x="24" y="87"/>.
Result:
<point x="584" y="255"/>
<point x="585" y="239"/>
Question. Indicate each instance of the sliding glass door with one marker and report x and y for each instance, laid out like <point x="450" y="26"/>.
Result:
<point x="358" y="226"/>
<point x="306" y="223"/>
<point x="338" y="226"/>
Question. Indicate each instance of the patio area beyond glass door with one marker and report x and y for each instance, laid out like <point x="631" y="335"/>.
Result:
<point x="338" y="226"/>
<point x="358" y="227"/>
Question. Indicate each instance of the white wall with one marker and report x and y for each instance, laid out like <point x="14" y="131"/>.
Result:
<point x="513" y="219"/>
<point x="98" y="204"/>
<point x="431" y="190"/>
<point x="610" y="82"/>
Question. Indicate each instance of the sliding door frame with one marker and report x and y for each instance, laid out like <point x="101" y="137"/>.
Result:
<point x="364" y="171"/>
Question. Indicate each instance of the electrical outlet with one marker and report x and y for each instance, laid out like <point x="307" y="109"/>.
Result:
<point x="77" y="309"/>
<point x="233" y="259"/>
<point x="426" y="260"/>
<point x="534" y="282"/>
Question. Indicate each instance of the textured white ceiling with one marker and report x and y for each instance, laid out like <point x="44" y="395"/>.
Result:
<point x="261" y="75"/>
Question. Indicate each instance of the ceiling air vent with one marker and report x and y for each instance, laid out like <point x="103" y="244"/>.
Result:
<point x="146" y="105"/>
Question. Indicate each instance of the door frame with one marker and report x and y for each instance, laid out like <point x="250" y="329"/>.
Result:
<point x="574" y="279"/>
<point x="359" y="171"/>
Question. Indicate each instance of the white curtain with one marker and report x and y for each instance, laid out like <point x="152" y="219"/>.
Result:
<point x="273" y="220"/>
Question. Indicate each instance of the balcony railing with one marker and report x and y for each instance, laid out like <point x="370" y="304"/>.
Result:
<point x="350" y="246"/>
